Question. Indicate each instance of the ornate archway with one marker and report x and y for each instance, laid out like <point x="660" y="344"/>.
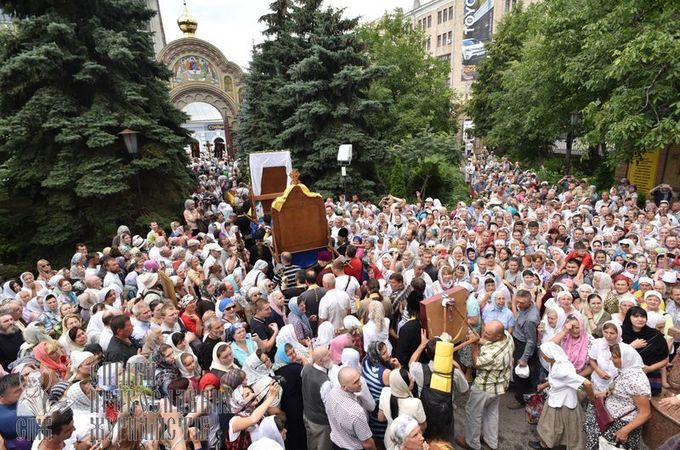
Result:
<point x="201" y="73"/>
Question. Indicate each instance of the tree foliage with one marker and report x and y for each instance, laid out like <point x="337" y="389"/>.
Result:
<point x="415" y="86"/>
<point x="617" y="63"/>
<point x="73" y="75"/>
<point x="307" y="92"/>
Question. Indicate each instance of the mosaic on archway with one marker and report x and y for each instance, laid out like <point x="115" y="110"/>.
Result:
<point x="195" y="68"/>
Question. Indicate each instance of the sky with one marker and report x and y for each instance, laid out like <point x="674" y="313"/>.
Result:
<point x="233" y="26"/>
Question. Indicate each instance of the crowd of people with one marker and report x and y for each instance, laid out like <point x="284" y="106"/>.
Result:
<point x="573" y="304"/>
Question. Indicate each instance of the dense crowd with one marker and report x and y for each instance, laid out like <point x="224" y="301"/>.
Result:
<point x="573" y="305"/>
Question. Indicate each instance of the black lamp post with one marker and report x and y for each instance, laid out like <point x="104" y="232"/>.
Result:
<point x="574" y="120"/>
<point x="132" y="146"/>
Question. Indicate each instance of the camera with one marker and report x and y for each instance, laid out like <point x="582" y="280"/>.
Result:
<point x="279" y="379"/>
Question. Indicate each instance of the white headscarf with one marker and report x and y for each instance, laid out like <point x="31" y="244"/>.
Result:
<point x="182" y="368"/>
<point x="630" y="359"/>
<point x="255" y="369"/>
<point x="400" y="429"/>
<point x="268" y="430"/>
<point x="176" y="351"/>
<point x="326" y="333"/>
<point x="287" y="336"/>
<point x="216" y="364"/>
<point x="563" y="379"/>
<point x="255" y="275"/>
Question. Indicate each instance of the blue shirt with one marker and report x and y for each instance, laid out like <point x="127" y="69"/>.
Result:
<point x="504" y="315"/>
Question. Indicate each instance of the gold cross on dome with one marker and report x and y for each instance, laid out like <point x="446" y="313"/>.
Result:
<point x="295" y="176"/>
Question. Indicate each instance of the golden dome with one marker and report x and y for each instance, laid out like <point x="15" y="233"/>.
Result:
<point x="187" y="23"/>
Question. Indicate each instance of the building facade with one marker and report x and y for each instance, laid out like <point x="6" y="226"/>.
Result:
<point x="458" y="31"/>
<point x="203" y="82"/>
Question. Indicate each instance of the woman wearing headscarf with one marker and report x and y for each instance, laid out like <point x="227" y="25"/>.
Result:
<point x="188" y="368"/>
<point x="34" y="334"/>
<point x="166" y="369"/>
<point x="258" y="369"/>
<point x="51" y="358"/>
<point x="649" y="343"/>
<point x="286" y="337"/>
<point x="256" y="274"/>
<point x="397" y="399"/>
<point x="561" y="421"/>
<point x="326" y="333"/>
<point x="407" y="435"/>
<point x="244" y="418"/>
<point x="595" y="316"/>
<point x="222" y="359"/>
<point x="10" y="289"/>
<point x="32" y="286"/>
<point x="277" y="302"/>
<point x="626" y="301"/>
<point x="627" y="402"/>
<point x="444" y="281"/>
<point x="376" y="369"/>
<point x="242" y="345"/>
<point x="622" y="286"/>
<point x="351" y="337"/>
<point x="574" y="340"/>
<point x="299" y="320"/>
<point x="177" y="341"/>
<point x="604" y="370"/>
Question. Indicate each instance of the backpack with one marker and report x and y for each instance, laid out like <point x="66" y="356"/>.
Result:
<point x="438" y="408"/>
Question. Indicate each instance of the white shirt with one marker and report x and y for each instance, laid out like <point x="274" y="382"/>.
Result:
<point x="350" y="285"/>
<point x="334" y="306"/>
<point x="371" y="334"/>
<point x="112" y="279"/>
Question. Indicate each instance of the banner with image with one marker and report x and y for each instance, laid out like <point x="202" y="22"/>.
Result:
<point x="477" y="31"/>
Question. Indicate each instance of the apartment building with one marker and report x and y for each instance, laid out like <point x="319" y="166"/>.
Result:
<point x="457" y="31"/>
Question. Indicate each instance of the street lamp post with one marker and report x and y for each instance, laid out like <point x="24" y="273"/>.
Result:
<point x="574" y="120"/>
<point x="132" y="146"/>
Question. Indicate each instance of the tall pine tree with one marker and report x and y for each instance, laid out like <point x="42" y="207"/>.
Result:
<point x="73" y="75"/>
<point x="320" y="101"/>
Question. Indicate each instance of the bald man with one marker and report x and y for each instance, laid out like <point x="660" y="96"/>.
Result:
<point x="335" y="304"/>
<point x="314" y="414"/>
<point x="492" y="357"/>
<point x="347" y="417"/>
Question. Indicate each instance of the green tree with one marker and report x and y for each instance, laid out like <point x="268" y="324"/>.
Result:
<point x="428" y="163"/>
<point x="320" y="100"/>
<point x="415" y="87"/>
<point x="615" y="62"/>
<point x="73" y="75"/>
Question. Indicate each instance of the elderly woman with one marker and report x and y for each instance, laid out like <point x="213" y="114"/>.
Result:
<point x="627" y="402"/>
<point x="299" y="320"/>
<point x="649" y="343"/>
<point x="242" y="345"/>
<point x="562" y="418"/>
<point x="604" y="370"/>
<point x="287" y="337"/>
<point x="575" y="342"/>
<point x="277" y="302"/>
<point x="191" y="216"/>
<point x="626" y="302"/>
<point x="258" y="369"/>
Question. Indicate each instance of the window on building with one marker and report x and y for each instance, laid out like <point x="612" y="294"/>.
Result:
<point x="420" y="23"/>
<point x="429" y="44"/>
<point x="449" y="37"/>
<point x="429" y="21"/>
<point x="439" y="40"/>
<point x="448" y="80"/>
<point x="439" y="17"/>
<point x="507" y="5"/>
<point x="445" y="15"/>
<point x="446" y="57"/>
<point x="450" y="12"/>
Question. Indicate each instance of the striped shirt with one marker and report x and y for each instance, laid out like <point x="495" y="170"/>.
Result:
<point x="288" y="271"/>
<point x="493" y="366"/>
<point x="373" y="376"/>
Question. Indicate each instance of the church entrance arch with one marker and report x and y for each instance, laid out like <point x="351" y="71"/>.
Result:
<point x="202" y="74"/>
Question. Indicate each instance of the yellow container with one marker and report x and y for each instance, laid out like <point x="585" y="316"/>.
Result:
<point x="440" y="383"/>
<point x="442" y="364"/>
<point x="444" y="349"/>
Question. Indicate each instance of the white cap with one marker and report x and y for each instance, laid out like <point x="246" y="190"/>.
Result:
<point x="522" y="371"/>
